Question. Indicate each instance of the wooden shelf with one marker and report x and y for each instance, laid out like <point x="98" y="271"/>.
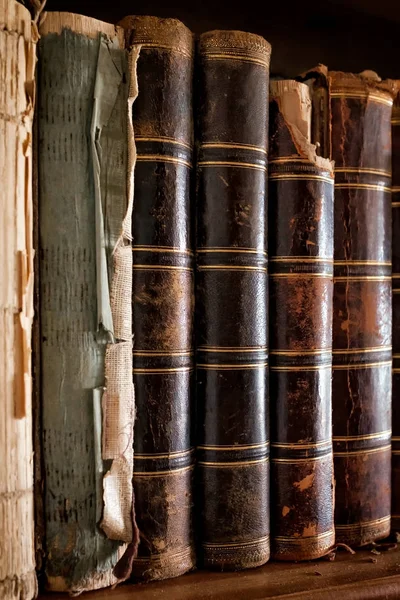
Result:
<point x="362" y="576"/>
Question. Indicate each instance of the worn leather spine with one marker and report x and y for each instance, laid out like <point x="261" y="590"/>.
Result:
<point x="396" y="315"/>
<point x="163" y="294"/>
<point x="301" y="186"/>
<point x="362" y="322"/>
<point x="231" y="300"/>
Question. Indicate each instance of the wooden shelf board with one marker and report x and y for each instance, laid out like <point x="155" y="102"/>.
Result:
<point x="348" y="577"/>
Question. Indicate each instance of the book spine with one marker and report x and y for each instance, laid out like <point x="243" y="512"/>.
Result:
<point x="163" y="292"/>
<point x="301" y="290"/>
<point x="82" y="106"/>
<point x="231" y="295"/>
<point x="396" y="314"/>
<point x="17" y="66"/>
<point x="362" y="323"/>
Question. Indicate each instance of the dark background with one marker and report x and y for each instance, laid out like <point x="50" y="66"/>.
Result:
<point x="350" y="35"/>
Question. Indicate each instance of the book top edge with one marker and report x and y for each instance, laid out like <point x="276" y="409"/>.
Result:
<point x="56" y="22"/>
<point x="157" y="32"/>
<point x="366" y="82"/>
<point x="220" y="40"/>
<point x="15" y="18"/>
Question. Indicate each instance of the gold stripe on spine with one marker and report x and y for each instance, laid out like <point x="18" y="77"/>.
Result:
<point x="166" y="455"/>
<point x="382" y="99"/>
<point x="395" y="370"/>
<point x="231" y="163"/>
<point x="395" y="204"/>
<point x="234" y="367"/>
<point x="395" y="121"/>
<point x="231" y="268"/>
<point x="305" y="259"/>
<point x="301" y="460"/>
<point x="161" y="354"/>
<point x="301" y="352"/>
<point x="363" y="186"/>
<point x="301" y="275"/>
<point x="356" y="438"/>
<point x="364" y="451"/>
<point x="263" y="445"/>
<point x="231" y="56"/>
<point x="299" y="177"/>
<point x="396" y="290"/>
<point x="234" y="146"/>
<point x="230" y="250"/>
<point x="361" y="263"/>
<point x="300" y="446"/>
<point x="396" y="452"/>
<point x="236" y="544"/>
<point x="362" y="350"/>
<point x="161" y="371"/>
<point x="165" y="139"/>
<point x="160" y="249"/>
<point x="162" y="473"/>
<point x="288" y="159"/>
<point x="396" y="188"/>
<point x="162" y="158"/>
<point x="302" y="540"/>
<point x="363" y="278"/>
<point x="161" y="268"/>
<point x="298" y="368"/>
<point x="237" y="350"/>
<point x="356" y="526"/>
<point x="233" y="464"/>
<point x="350" y="366"/>
<point x="362" y="170"/>
<point x="165" y="556"/>
<point x="395" y="275"/>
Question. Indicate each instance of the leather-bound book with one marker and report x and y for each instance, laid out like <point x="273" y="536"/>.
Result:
<point x="86" y="81"/>
<point x="163" y="292"/>
<point x="361" y="108"/>
<point x="396" y="314"/>
<point x="17" y="87"/>
<point x="232" y="485"/>
<point x="301" y="187"/>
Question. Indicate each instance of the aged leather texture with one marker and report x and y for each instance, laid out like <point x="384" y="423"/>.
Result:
<point x="163" y="296"/>
<point x="362" y="322"/>
<point x="396" y="315"/>
<point x="232" y="486"/>
<point x="300" y="216"/>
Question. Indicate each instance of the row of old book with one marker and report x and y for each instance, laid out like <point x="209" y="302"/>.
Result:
<point x="152" y="474"/>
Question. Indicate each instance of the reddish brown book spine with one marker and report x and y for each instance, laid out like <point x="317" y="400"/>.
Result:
<point x="396" y="315"/>
<point x="362" y="325"/>
<point x="301" y="289"/>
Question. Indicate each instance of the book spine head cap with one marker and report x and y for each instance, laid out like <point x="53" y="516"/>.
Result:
<point x="235" y="42"/>
<point x="153" y="31"/>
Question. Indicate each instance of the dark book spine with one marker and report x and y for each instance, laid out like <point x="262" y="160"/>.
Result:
<point x="396" y="315"/>
<point x="362" y="322"/>
<point x="163" y="292"/>
<point x="301" y="189"/>
<point x="231" y="296"/>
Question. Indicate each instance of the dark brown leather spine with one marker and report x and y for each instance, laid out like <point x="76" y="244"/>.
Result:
<point x="396" y="315"/>
<point x="163" y="291"/>
<point x="301" y="288"/>
<point x="362" y="324"/>
<point x="231" y="285"/>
